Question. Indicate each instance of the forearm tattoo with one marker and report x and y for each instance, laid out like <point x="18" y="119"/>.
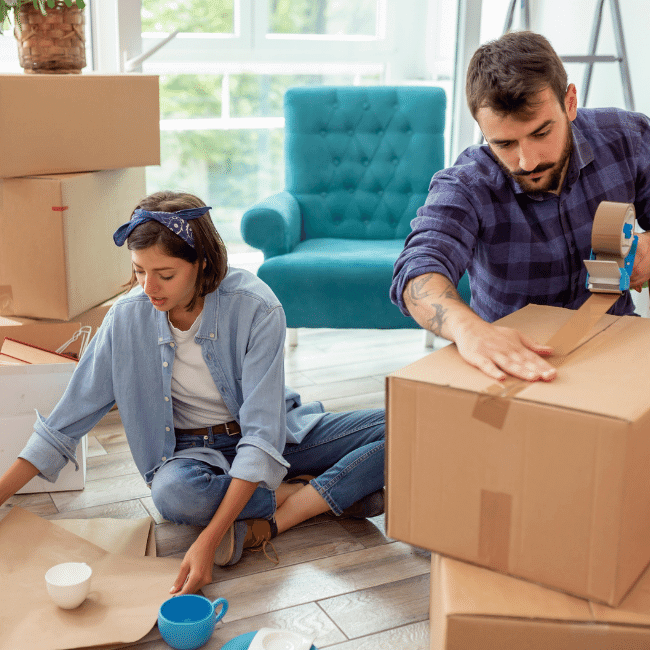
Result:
<point x="417" y="295"/>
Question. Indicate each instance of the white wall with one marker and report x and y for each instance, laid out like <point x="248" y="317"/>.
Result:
<point x="568" y="24"/>
<point x="569" y="33"/>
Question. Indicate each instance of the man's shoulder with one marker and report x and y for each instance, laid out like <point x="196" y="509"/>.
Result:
<point x="610" y="121"/>
<point x="475" y="170"/>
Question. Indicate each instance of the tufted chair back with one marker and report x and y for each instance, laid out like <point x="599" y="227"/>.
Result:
<point x="359" y="159"/>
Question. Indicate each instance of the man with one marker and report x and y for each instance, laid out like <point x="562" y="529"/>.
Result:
<point x="517" y="212"/>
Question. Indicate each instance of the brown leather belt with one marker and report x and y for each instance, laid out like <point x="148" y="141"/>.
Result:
<point x="230" y="428"/>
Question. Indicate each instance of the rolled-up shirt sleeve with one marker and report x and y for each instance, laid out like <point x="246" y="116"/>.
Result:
<point x="262" y="414"/>
<point x="442" y="238"/>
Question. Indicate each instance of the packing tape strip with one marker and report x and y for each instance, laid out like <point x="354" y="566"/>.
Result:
<point x="494" y="529"/>
<point x="492" y="406"/>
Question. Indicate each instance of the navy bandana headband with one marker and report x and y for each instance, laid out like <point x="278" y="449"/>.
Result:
<point x="177" y="222"/>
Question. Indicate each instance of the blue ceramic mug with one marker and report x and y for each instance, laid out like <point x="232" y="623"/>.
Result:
<point x="187" y="622"/>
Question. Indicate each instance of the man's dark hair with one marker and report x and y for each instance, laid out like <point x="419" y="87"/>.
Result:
<point x="208" y="244"/>
<point x="506" y="74"/>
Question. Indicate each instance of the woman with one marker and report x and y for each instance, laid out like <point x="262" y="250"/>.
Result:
<point x="193" y="358"/>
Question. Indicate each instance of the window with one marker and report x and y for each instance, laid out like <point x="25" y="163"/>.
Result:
<point x="222" y="85"/>
<point x="223" y="77"/>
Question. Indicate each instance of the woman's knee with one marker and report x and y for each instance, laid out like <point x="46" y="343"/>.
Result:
<point x="181" y="493"/>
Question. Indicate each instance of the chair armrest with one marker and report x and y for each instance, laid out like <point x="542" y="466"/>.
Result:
<point x="273" y="225"/>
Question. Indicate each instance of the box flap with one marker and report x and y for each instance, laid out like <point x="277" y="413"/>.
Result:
<point x="605" y="374"/>
<point x="31" y="353"/>
<point x="50" y="336"/>
<point x="474" y="591"/>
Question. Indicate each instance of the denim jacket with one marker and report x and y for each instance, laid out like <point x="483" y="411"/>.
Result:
<point x="129" y="363"/>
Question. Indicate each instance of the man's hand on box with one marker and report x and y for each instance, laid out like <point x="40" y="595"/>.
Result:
<point x="641" y="270"/>
<point x="502" y="351"/>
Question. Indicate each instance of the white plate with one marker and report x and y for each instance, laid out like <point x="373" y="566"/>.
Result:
<point x="270" y="639"/>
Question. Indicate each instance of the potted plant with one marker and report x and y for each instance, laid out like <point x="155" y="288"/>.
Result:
<point x="50" y="34"/>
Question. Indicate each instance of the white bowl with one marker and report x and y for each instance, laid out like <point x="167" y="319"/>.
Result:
<point x="68" y="584"/>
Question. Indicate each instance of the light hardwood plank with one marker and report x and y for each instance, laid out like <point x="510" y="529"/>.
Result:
<point x="173" y="539"/>
<point x="297" y="381"/>
<point x="307" y="619"/>
<point x="354" y="402"/>
<point x="147" y="502"/>
<point x="342" y="389"/>
<point x="295" y="546"/>
<point x="409" y="637"/>
<point x="295" y="585"/>
<point x="369" y="532"/>
<point x="101" y="492"/>
<point x="380" y="608"/>
<point x="40" y="503"/>
<point x="131" y="509"/>
<point x="94" y="447"/>
<point x="110" y="465"/>
<point x="377" y="366"/>
<point x="114" y="441"/>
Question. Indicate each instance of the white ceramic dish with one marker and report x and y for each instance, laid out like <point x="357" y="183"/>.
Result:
<point x="68" y="584"/>
<point x="270" y="639"/>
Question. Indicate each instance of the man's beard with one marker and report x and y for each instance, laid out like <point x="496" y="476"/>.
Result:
<point x="553" y="183"/>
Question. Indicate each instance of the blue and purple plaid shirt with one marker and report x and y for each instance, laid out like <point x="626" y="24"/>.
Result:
<point x="518" y="248"/>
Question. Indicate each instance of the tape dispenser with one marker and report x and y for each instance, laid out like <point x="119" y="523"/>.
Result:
<point x="613" y="247"/>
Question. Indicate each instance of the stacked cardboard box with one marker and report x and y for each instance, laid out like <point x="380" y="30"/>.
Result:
<point x="549" y="484"/>
<point x="75" y="148"/>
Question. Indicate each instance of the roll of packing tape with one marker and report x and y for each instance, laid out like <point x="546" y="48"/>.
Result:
<point x="608" y="234"/>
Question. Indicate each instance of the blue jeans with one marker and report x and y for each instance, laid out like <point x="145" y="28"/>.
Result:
<point x="345" y="451"/>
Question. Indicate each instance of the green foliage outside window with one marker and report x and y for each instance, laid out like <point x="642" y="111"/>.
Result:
<point x="233" y="168"/>
<point x="193" y="16"/>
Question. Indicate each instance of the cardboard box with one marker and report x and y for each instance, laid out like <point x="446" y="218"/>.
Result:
<point x="54" y="124"/>
<point x="52" y="334"/>
<point x="473" y="607"/>
<point x="57" y="255"/>
<point x="559" y="493"/>
<point x="94" y="317"/>
<point x="23" y="388"/>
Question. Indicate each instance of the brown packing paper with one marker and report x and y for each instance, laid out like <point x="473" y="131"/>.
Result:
<point x="122" y="607"/>
<point x="125" y="536"/>
<point x="122" y="536"/>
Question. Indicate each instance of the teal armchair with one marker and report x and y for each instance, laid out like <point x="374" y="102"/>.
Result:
<point x="358" y="162"/>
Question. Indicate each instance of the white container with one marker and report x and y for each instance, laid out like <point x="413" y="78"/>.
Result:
<point x="23" y="389"/>
<point x="68" y="584"/>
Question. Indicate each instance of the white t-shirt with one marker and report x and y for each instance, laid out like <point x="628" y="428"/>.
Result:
<point x="196" y="400"/>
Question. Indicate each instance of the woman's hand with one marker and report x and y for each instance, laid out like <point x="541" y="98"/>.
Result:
<point x="196" y="568"/>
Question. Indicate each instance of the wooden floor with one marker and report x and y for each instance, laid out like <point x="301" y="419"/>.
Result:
<point x="343" y="581"/>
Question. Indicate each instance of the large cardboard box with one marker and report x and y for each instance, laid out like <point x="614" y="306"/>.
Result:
<point x="53" y="124"/>
<point x="473" y="607"/>
<point x="558" y="491"/>
<point x="24" y="388"/>
<point x="57" y="255"/>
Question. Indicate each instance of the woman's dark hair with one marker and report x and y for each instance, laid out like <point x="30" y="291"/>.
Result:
<point x="208" y="243"/>
<point x="506" y="74"/>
